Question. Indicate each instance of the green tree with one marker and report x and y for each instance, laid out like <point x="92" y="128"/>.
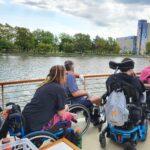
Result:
<point x="24" y="39"/>
<point x="102" y="46"/>
<point x="43" y="48"/>
<point x="7" y="36"/>
<point x="99" y="45"/>
<point x="82" y="42"/>
<point x="45" y="38"/>
<point x="66" y="43"/>
<point x="6" y="46"/>
<point x="7" y="32"/>
<point x="112" y="46"/>
<point x="148" y="48"/>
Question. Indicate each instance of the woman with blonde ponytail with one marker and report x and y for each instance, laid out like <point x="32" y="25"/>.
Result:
<point x="48" y="100"/>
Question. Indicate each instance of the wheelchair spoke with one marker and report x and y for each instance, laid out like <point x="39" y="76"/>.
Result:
<point x="83" y="119"/>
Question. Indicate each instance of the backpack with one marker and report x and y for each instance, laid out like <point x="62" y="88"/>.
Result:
<point x="116" y="108"/>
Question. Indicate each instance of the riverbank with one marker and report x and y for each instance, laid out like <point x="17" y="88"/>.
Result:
<point x="62" y="54"/>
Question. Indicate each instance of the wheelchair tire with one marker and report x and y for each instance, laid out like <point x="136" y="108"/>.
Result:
<point x="75" y="108"/>
<point x="38" y="137"/>
<point x="102" y="140"/>
<point x="129" y="146"/>
<point x="146" y="130"/>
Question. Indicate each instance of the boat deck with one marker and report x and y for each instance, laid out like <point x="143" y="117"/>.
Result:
<point x="91" y="142"/>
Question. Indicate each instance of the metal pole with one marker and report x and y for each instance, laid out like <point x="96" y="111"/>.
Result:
<point x="84" y="83"/>
<point x="2" y="86"/>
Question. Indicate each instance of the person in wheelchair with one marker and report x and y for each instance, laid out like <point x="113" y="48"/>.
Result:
<point x="133" y="88"/>
<point x="127" y="76"/>
<point x="48" y="105"/>
<point x="124" y="106"/>
<point x="77" y="96"/>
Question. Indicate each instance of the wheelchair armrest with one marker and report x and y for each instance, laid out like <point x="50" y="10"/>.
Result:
<point x="104" y="99"/>
<point x="134" y="106"/>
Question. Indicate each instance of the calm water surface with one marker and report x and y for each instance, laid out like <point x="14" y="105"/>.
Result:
<point x="31" y="67"/>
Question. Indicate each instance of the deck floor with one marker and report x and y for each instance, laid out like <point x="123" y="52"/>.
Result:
<point x="90" y="142"/>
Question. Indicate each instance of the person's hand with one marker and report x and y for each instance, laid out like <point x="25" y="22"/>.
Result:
<point x="74" y="117"/>
<point x="66" y="108"/>
<point x="81" y="77"/>
<point x="5" y="113"/>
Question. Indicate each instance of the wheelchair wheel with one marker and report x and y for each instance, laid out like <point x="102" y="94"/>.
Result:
<point x="102" y="140"/>
<point x="102" y="118"/>
<point x="40" y="137"/>
<point x="145" y="130"/>
<point x="83" y="120"/>
<point x="129" y="146"/>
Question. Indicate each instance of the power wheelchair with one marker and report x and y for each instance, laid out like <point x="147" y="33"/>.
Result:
<point x="136" y="128"/>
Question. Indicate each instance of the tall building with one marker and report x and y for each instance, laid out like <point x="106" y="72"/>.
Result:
<point x="127" y="44"/>
<point x="142" y="36"/>
<point x="136" y="44"/>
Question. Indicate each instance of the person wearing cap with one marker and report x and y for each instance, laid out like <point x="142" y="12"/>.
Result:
<point x="74" y="94"/>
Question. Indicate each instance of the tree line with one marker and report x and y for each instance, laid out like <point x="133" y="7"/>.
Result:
<point x="20" y="39"/>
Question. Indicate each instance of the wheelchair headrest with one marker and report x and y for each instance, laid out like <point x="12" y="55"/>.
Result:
<point x="121" y="66"/>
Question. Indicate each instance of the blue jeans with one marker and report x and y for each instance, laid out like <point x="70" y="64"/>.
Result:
<point x="81" y="100"/>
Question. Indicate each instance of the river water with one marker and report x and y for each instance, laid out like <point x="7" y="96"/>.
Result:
<point x="32" y="67"/>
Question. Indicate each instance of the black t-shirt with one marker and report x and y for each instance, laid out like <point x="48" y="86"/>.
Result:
<point x="47" y="101"/>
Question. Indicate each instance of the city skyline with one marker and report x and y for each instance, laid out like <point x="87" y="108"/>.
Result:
<point x="109" y="18"/>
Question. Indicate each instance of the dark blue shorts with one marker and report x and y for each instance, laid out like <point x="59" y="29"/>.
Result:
<point x="81" y="100"/>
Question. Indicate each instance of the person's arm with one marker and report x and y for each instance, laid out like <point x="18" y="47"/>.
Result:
<point x="77" y="75"/>
<point x="79" y="93"/>
<point x="73" y="88"/>
<point x="61" y="112"/>
<point x="147" y="86"/>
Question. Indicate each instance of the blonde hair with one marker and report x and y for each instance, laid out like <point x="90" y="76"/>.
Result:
<point x="56" y="74"/>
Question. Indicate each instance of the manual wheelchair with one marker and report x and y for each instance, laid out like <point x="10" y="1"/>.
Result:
<point x="86" y="115"/>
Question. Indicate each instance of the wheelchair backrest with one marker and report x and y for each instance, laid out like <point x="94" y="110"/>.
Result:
<point x="114" y="83"/>
<point x="15" y="121"/>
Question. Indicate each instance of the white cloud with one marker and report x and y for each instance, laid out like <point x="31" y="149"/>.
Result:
<point x="2" y="2"/>
<point x="112" y="15"/>
<point x="143" y="2"/>
<point x="100" y="12"/>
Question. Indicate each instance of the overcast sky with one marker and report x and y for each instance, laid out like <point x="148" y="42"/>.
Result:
<point x="115" y="18"/>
